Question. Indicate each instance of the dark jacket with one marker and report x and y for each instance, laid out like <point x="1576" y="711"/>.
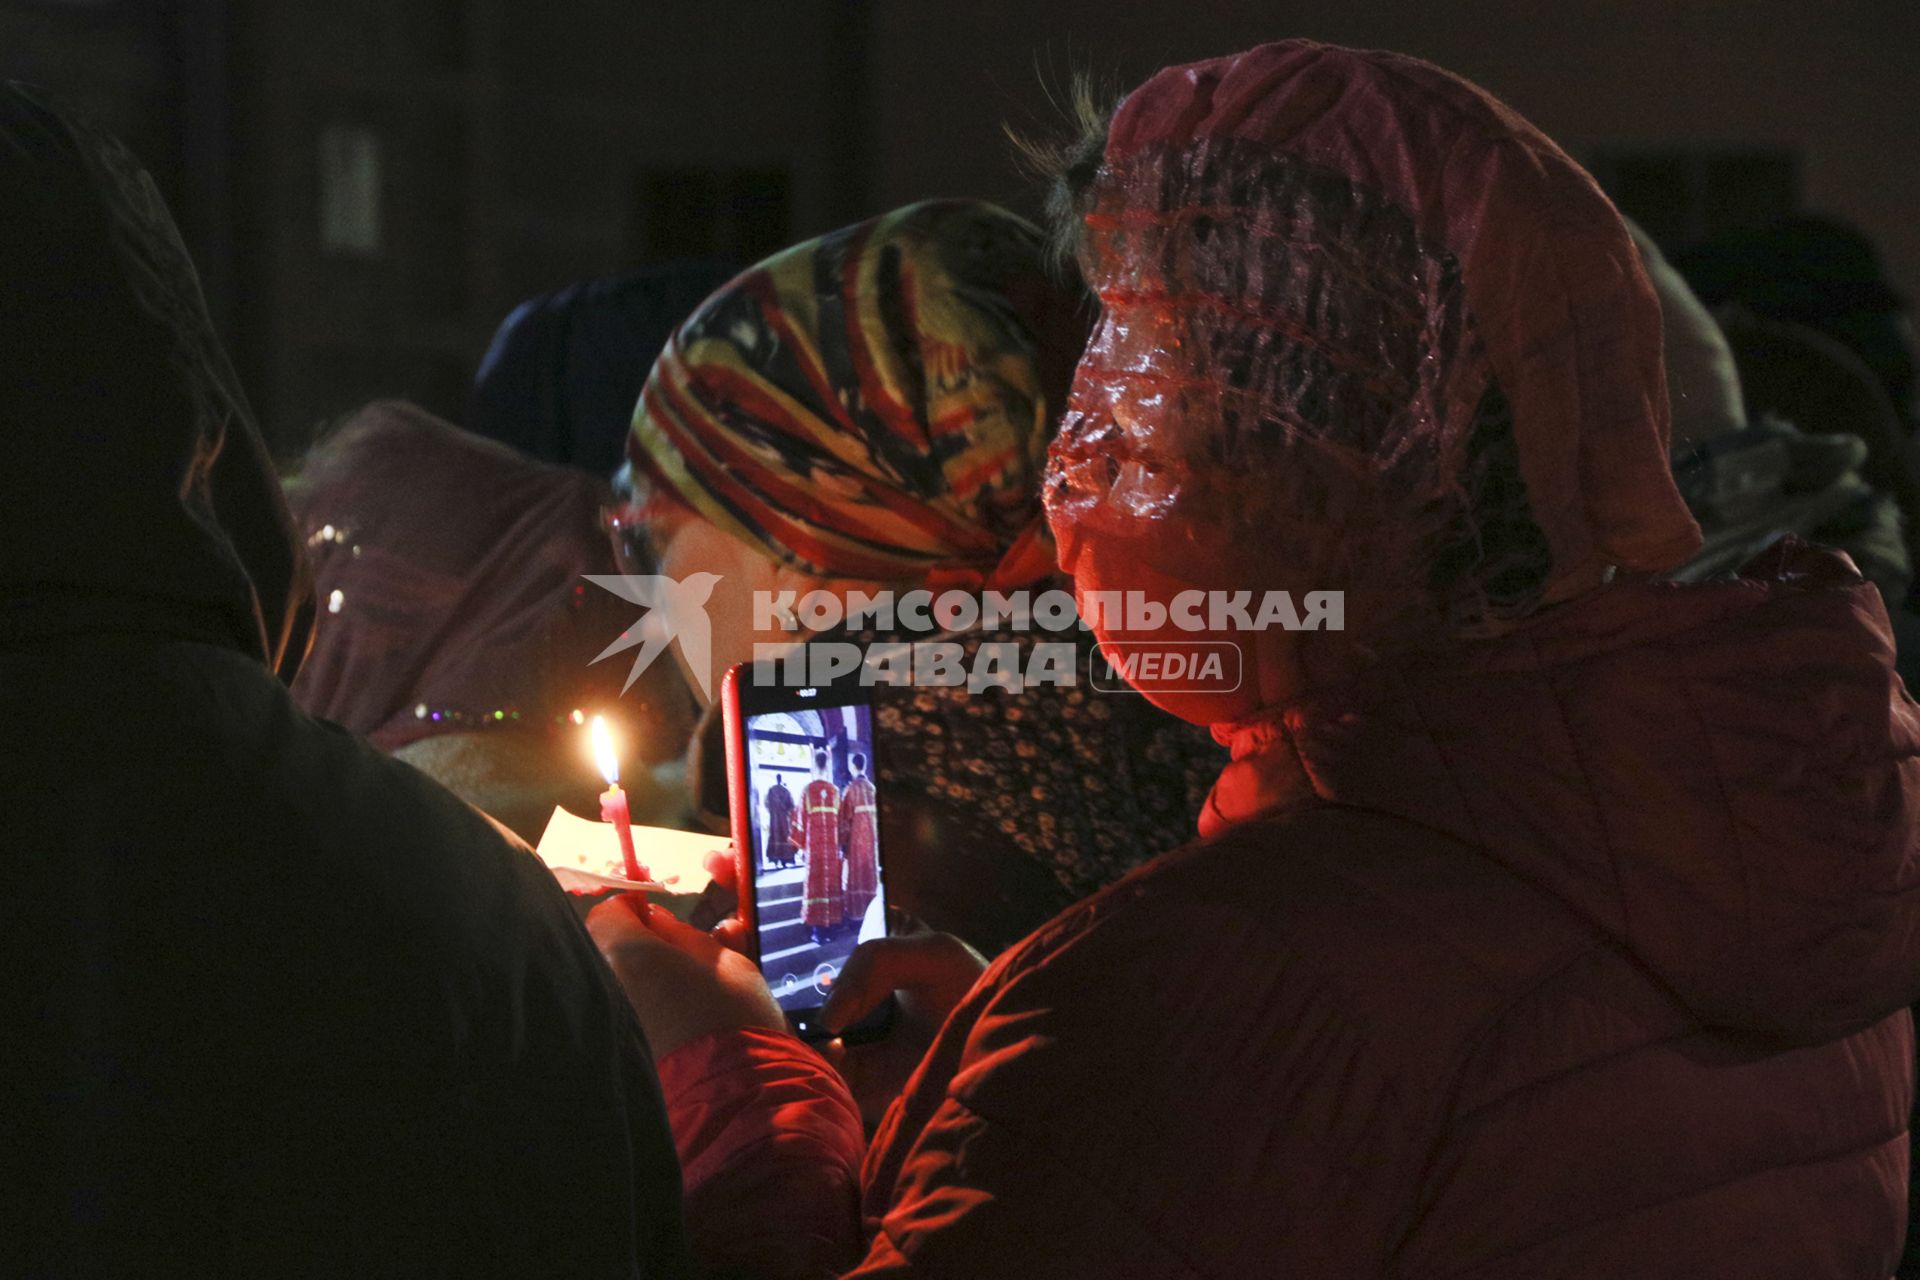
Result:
<point x="273" y="1003"/>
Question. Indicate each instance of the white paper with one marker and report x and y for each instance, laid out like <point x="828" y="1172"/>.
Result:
<point x="585" y="856"/>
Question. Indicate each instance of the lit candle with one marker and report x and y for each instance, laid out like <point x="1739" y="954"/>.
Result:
<point x="613" y="801"/>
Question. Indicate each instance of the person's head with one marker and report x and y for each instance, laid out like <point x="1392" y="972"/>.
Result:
<point x="456" y="630"/>
<point x="1801" y="375"/>
<point x="857" y="764"/>
<point x="559" y="380"/>
<point x="1703" y="384"/>
<point x="138" y="495"/>
<point x="1819" y="272"/>
<point x="866" y="410"/>
<point x="1366" y="330"/>
<point x="820" y="759"/>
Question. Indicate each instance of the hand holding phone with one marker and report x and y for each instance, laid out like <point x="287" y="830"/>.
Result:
<point x="806" y="830"/>
<point x="929" y="974"/>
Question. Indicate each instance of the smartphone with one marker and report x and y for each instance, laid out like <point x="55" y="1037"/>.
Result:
<point x="805" y="811"/>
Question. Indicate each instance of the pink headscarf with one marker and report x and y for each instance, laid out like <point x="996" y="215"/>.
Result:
<point x="449" y="580"/>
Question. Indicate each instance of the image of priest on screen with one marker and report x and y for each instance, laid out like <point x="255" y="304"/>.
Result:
<point x="816" y="829"/>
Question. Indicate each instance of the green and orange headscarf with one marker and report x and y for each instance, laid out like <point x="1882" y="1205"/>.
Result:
<point x="874" y="403"/>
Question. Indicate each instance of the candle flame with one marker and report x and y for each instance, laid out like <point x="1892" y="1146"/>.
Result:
<point x="603" y="754"/>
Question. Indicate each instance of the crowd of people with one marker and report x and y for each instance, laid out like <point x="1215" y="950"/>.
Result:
<point x="1555" y="914"/>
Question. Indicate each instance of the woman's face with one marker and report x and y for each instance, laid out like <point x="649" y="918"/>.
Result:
<point x="687" y="544"/>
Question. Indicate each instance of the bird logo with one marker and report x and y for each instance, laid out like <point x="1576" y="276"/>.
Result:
<point x="676" y="613"/>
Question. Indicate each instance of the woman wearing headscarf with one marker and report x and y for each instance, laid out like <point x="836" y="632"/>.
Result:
<point x="457" y="629"/>
<point x="1751" y="469"/>
<point x="1550" y="919"/>
<point x="273" y="1003"/>
<point x="1818" y="271"/>
<point x="559" y="380"/>
<point x="870" y="411"/>
<point x="1802" y="376"/>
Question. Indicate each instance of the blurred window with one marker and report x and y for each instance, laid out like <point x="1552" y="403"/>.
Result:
<point x="350" y="191"/>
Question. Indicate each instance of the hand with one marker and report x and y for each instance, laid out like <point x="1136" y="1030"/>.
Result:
<point x="683" y="983"/>
<point x="724" y="866"/>
<point x="929" y="974"/>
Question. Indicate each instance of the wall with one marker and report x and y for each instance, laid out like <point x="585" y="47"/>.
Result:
<point x="517" y="127"/>
<point x="1837" y="79"/>
<point x="514" y="135"/>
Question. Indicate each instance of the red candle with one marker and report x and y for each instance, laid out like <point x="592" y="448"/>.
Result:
<point x="613" y="808"/>
<point x="613" y="801"/>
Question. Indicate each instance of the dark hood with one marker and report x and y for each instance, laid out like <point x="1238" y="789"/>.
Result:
<point x="1724" y="779"/>
<point x="137" y="494"/>
<point x="563" y="373"/>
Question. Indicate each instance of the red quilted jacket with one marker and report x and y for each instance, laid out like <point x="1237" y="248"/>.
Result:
<point x="1584" y="953"/>
<point x="1581" y="953"/>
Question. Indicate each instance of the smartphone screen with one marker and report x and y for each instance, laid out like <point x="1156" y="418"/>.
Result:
<point x="804" y="759"/>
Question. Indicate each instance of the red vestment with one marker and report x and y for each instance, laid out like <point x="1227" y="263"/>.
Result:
<point x="816" y="828"/>
<point x="860" y="839"/>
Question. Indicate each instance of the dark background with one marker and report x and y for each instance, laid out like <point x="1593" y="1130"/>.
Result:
<point x="370" y="185"/>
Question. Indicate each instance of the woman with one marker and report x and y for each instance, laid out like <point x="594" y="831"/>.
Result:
<point x="274" y="1004"/>
<point x="559" y="380"/>
<point x="457" y="630"/>
<point x="869" y="411"/>
<point x="1814" y="270"/>
<point x="1551" y="919"/>
<point x="1800" y="375"/>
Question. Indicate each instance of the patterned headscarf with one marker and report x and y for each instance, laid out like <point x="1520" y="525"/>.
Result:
<point x="870" y="404"/>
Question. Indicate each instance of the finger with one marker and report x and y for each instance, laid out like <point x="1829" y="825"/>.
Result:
<point x="682" y="936"/>
<point x="733" y="934"/>
<point x="834" y="1051"/>
<point x="724" y="867"/>
<point x="614" y="927"/>
<point x="926" y="961"/>
<point x="864" y="981"/>
<point x="861" y="985"/>
<point x="938" y="966"/>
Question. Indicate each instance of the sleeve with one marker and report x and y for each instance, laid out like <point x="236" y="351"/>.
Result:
<point x="846" y="815"/>
<point x="963" y="1180"/>
<point x="770" y="1146"/>
<point x="977" y="1199"/>
<point x="1124" y="1102"/>
<point x="572" y="1152"/>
